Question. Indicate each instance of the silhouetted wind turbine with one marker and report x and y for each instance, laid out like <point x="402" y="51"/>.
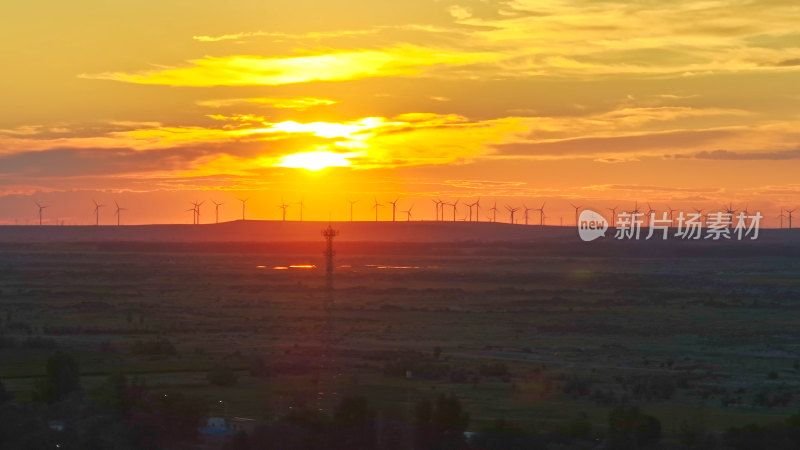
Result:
<point x="117" y="212"/>
<point x="790" y="211"/>
<point x="194" y="212"/>
<point x="650" y="210"/>
<point x="671" y="210"/>
<point x="41" y="207"/>
<point x="376" y="206"/>
<point x="478" y="210"/>
<point x="526" y="212"/>
<point x="436" y="205"/>
<point x="301" y="209"/>
<point x="470" y="205"/>
<point x="216" y="210"/>
<point x="408" y="213"/>
<point x="494" y="212"/>
<point x="613" y="215"/>
<point x="635" y="211"/>
<point x="394" y="208"/>
<point x="782" y="216"/>
<point x="283" y="206"/>
<point x="244" y="203"/>
<point x="197" y="209"/>
<point x="541" y="213"/>
<point x="577" y="208"/>
<point x="729" y="210"/>
<point x="352" y="202"/>
<point x="97" y="207"/>
<point x="512" y="211"/>
<point x="455" y="207"/>
<point x="702" y="218"/>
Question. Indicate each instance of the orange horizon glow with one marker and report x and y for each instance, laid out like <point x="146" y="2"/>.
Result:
<point x="687" y="105"/>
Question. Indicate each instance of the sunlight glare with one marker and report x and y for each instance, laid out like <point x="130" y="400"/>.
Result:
<point x="314" y="161"/>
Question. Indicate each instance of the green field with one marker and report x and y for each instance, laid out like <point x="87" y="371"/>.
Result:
<point x="686" y="339"/>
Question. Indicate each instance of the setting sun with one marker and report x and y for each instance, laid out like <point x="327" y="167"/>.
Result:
<point x="315" y="160"/>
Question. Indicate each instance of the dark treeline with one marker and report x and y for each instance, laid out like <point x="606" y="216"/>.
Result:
<point x="126" y="414"/>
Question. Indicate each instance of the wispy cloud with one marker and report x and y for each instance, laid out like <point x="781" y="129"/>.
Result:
<point x="250" y="70"/>
<point x="296" y="104"/>
<point x="765" y="155"/>
<point x="272" y="34"/>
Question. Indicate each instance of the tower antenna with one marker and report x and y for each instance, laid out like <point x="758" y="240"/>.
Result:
<point x="327" y="360"/>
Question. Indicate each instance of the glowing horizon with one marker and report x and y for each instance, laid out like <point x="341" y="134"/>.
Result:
<point x="692" y="105"/>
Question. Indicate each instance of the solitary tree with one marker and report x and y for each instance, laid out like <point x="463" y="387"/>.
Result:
<point x="62" y="378"/>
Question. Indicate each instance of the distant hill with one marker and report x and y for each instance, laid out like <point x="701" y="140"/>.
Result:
<point x="289" y="231"/>
<point x="393" y="236"/>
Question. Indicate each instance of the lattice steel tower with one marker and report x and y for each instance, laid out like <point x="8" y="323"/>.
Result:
<point x="328" y="369"/>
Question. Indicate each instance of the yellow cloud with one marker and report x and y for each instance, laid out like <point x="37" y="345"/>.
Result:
<point x="248" y="70"/>
<point x="410" y="139"/>
<point x="311" y="35"/>
<point x="297" y="104"/>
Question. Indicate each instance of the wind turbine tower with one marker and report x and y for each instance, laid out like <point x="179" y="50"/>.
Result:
<point x="526" y="212"/>
<point x="577" y="208"/>
<point x="41" y="207"/>
<point x="671" y="210"/>
<point x="244" y="203"/>
<point x="394" y="209"/>
<point x="283" y="206"/>
<point x="197" y="212"/>
<point x="494" y="210"/>
<point x="541" y="213"/>
<point x="97" y="207"/>
<point x="408" y="213"/>
<point x="455" y="207"/>
<point x="352" y="202"/>
<point x="729" y="210"/>
<point x="635" y="212"/>
<point x="376" y="206"/>
<point x="702" y="218"/>
<point x="790" y="211"/>
<point x="650" y="211"/>
<point x="613" y="215"/>
<point x="327" y="358"/>
<point x="216" y="210"/>
<point x="117" y="212"/>
<point x="512" y="211"/>
<point x="471" y="205"/>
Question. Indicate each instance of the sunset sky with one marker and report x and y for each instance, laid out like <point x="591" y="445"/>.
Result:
<point x="155" y="104"/>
